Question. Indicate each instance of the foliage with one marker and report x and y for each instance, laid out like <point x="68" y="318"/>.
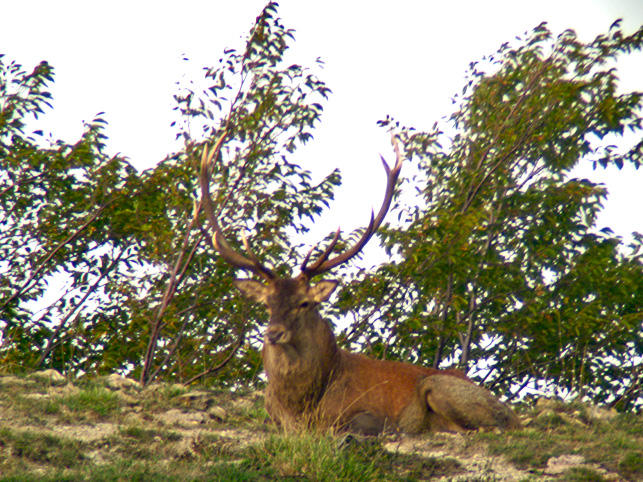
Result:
<point x="63" y="212"/>
<point x="500" y="268"/>
<point x="503" y="270"/>
<point x="315" y="457"/>
<point x="142" y="293"/>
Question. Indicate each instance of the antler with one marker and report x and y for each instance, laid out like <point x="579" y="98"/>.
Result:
<point x="249" y="262"/>
<point x="323" y="264"/>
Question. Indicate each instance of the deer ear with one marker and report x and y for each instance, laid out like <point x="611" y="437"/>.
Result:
<point x="254" y="290"/>
<point x="322" y="290"/>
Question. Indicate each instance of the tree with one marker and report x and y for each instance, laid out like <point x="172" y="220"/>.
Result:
<point x="143" y="293"/>
<point x="499" y="268"/>
<point x="502" y="270"/>
<point x="266" y="111"/>
<point x="57" y="204"/>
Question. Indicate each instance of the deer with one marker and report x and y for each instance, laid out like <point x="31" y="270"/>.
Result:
<point x="314" y="382"/>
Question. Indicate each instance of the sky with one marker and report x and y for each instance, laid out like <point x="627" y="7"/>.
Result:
<point x="406" y="59"/>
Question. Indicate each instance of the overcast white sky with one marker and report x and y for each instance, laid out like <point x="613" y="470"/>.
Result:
<point x="403" y="58"/>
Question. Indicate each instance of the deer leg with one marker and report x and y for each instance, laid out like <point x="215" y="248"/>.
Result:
<point x="455" y="404"/>
<point x="367" y="423"/>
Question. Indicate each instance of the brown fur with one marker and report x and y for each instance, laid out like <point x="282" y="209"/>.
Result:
<point x="311" y="379"/>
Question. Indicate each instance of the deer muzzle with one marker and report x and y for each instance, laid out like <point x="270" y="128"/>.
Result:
<point x="276" y="334"/>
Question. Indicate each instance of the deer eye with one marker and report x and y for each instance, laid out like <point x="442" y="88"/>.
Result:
<point x="304" y="304"/>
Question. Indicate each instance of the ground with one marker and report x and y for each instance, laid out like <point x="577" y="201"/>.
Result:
<point x="112" y="429"/>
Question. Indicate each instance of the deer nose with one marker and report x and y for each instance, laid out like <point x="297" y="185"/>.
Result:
<point x="276" y="334"/>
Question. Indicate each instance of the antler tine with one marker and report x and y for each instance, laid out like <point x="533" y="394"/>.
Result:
<point x="250" y="253"/>
<point x="324" y="264"/>
<point x="305" y="262"/>
<point x="219" y="241"/>
<point x="323" y="257"/>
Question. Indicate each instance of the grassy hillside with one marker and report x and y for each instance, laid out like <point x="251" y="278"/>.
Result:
<point x="112" y="430"/>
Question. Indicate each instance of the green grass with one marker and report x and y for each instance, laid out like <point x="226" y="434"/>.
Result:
<point x="319" y="457"/>
<point x="88" y="403"/>
<point x="631" y="464"/>
<point x="97" y="401"/>
<point x="582" y="474"/>
<point x="139" y="472"/>
<point x="615" y="445"/>
<point x="315" y="457"/>
<point x="38" y="419"/>
<point x="42" y="449"/>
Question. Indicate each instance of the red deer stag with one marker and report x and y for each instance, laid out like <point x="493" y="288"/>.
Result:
<point x="312" y="380"/>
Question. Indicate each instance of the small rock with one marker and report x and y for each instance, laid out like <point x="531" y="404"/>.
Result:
<point x="558" y="465"/>
<point x="155" y="387"/>
<point x="128" y="399"/>
<point x="526" y="421"/>
<point x="96" y="457"/>
<point x="49" y="376"/>
<point x="185" y="419"/>
<point x="132" y="418"/>
<point x="65" y="390"/>
<point x="546" y="413"/>
<point x="571" y="420"/>
<point x="162" y="387"/>
<point x="196" y="400"/>
<point x="37" y="396"/>
<point x="13" y="380"/>
<point x="118" y="382"/>
<point x="242" y="404"/>
<point x="546" y="404"/>
<point x="218" y="413"/>
<point x="599" y="413"/>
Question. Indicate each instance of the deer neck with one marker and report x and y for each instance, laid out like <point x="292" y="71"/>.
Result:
<point x="299" y="372"/>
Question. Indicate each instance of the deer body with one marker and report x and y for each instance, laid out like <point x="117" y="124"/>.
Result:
<point x="312" y="381"/>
